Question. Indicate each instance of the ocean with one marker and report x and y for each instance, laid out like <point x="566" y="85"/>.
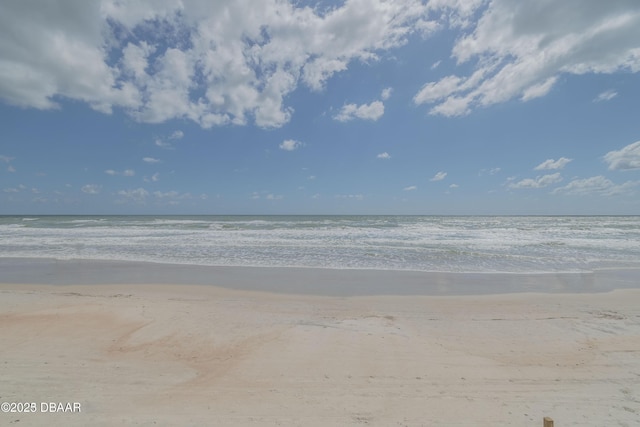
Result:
<point x="510" y="244"/>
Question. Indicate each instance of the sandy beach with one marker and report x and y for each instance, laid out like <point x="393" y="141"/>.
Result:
<point x="185" y="354"/>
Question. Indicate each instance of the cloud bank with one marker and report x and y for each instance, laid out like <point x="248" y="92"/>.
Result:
<point x="216" y="63"/>
<point x="236" y="61"/>
<point x="519" y="49"/>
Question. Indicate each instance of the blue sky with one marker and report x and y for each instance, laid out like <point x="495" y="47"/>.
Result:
<point x="320" y="107"/>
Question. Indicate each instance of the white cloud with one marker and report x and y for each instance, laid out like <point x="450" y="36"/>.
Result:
<point x="456" y="13"/>
<point x="434" y="91"/>
<point x="177" y="135"/>
<point x="170" y="197"/>
<point x="167" y="194"/>
<point x="551" y="164"/>
<point x="154" y="178"/>
<point x="163" y="144"/>
<point x="624" y="159"/>
<point x="596" y="185"/>
<point x="7" y="159"/>
<point x="91" y="189"/>
<point x="39" y="200"/>
<point x="538" y="182"/>
<point x="127" y="172"/>
<point x="215" y="63"/>
<point x="539" y="90"/>
<point x="350" y="196"/>
<point x="150" y="160"/>
<point x="138" y="195"/>
<point x="518" y="49"/>
<point x="58" y="51"/>
<point x="607" y="95"/>
<point x="386" y="93"/>
<point x="439" y="176"/>
<point x="290" y="145"/>
<point x="454" y="186"/>
<point x="491" y="171"/>
<point x="266" y="195"/>
<point x="372" y="111"/>
<point x="410" y="188"/>
<point x="384" y="155"/>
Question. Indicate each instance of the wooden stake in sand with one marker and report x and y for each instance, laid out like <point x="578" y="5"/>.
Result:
<point x="548" y="422"/>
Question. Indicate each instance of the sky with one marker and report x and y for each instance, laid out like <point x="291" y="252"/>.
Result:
<point x="320" y="107"/>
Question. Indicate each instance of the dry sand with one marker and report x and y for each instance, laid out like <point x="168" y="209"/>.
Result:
<point x="202" y="355"/>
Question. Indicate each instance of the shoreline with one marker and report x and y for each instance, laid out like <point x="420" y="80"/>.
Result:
<point x="312" y="281"/>
<point x="153" y="344"/>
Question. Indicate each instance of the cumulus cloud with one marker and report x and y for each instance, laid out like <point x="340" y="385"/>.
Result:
<point x="538" y="182"/>
<point x="215" y="63"/>
<point x="91" y="189"/>
<point x="237" y="61"/>
<point x="290" y="145"/>
<point x="410" y="188"/>
<point x="372" y="111"/>
<point x="386" y="93"/>
<point x="384" y="156"/>
<point x="596" y="185"/>
<point x="517" y="50"/>
<point x="624" y="159"/>
<point x="439" y="176"/>
<point x="551" y="164"/>
<point x="150" y="160"/>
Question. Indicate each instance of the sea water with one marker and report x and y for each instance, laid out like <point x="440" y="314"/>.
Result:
<point x="519" y="244"/>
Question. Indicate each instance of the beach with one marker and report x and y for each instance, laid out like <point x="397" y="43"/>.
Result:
<point x="233" y="352"/>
